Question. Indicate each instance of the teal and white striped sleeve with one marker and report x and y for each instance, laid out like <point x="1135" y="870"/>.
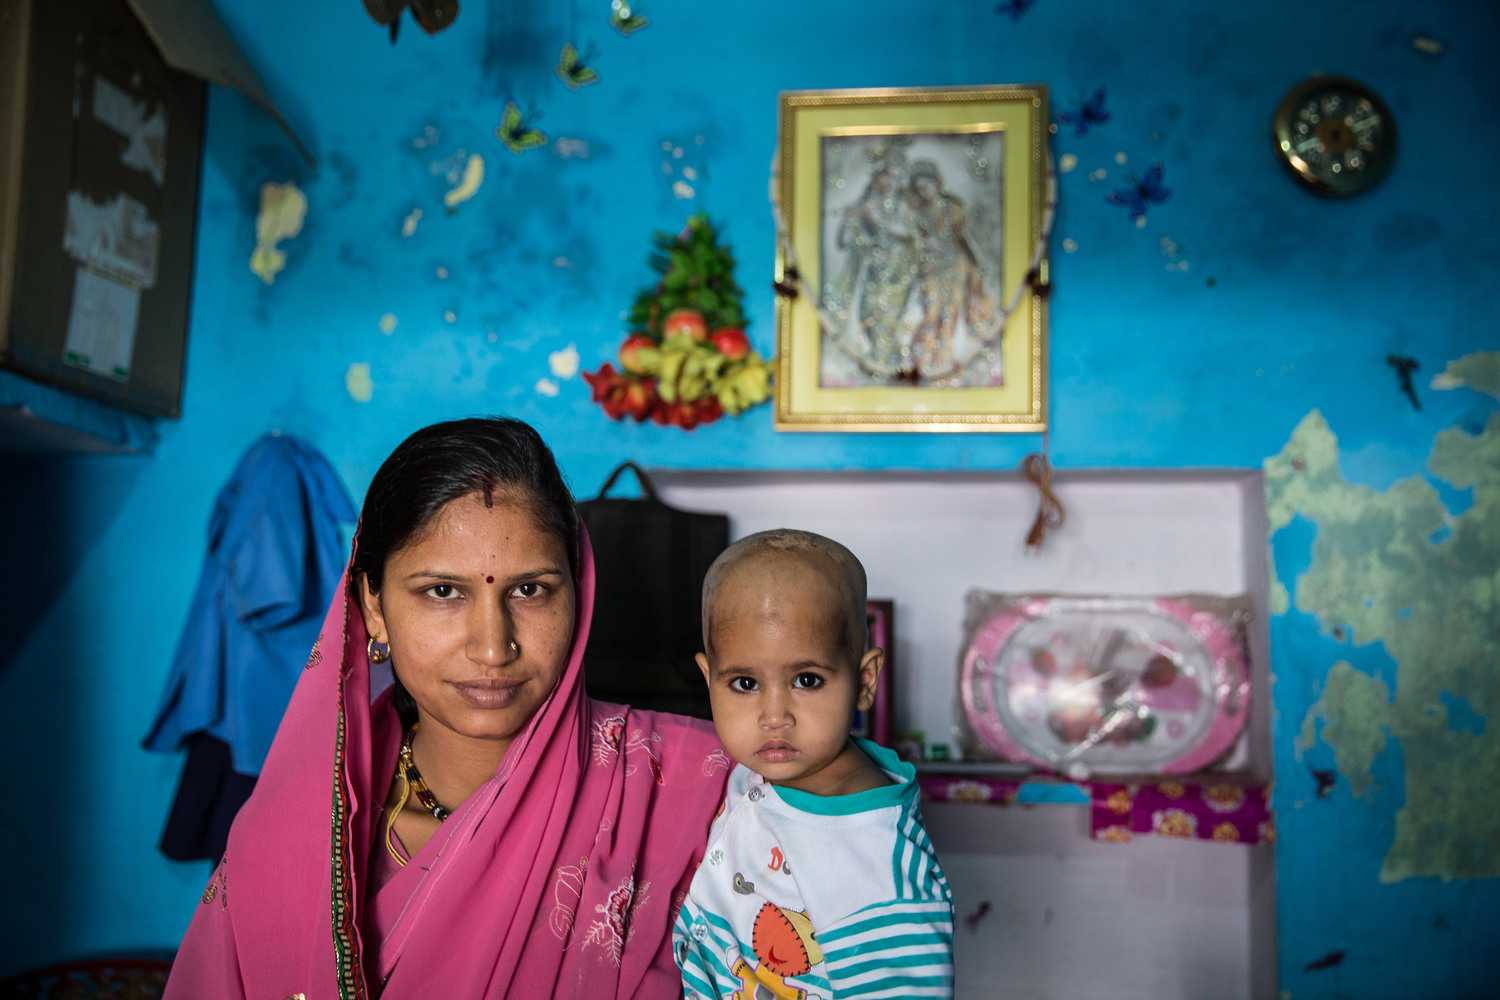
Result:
<point x="901" y="947"/>
<point x="700" y="943"/>
<point x="895" y="949"/>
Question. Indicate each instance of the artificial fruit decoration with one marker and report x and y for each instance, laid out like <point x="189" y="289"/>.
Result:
<point x="674" y="371"/>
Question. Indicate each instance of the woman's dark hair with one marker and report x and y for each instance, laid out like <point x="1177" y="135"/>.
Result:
<point x="494" y="457"/>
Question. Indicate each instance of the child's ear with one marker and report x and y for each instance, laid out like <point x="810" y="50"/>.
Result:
<point x="703" y="666"/>
<point x="869" y="677"/>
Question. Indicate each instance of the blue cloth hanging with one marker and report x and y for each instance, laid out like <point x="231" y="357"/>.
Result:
<point x="275" y="555"/>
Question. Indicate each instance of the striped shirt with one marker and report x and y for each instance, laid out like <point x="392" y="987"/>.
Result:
<point x="818" y="897"/>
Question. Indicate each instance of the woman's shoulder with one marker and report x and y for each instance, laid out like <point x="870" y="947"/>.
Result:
<point x="662" y="722"/>
<point x="662" y="736"/>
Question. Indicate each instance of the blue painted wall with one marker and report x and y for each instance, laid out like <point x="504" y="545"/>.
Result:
<point x="1287" y="303"/>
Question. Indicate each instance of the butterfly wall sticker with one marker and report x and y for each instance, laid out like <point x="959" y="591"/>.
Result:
<point x="1141" y="193"/>
<point x="626" y="18"/>
<point x="573" y="66"/>
<point x="431" y="15"/>
<point x="1086" y="112"/>
<point x="518" y="131"/>
<point x="1014" y="9"/>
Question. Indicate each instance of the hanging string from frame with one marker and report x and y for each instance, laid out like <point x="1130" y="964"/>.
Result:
<point x="1050" y="513"/>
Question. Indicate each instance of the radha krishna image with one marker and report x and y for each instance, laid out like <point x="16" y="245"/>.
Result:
<point x="912" y="234"/>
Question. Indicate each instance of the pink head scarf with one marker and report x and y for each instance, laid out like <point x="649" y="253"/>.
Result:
<point x="559" y="877"/>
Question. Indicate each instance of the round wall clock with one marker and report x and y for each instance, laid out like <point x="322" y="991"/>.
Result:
<point x="1334" y="134"/>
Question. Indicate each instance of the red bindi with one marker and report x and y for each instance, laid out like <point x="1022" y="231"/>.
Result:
<point x="489" y="579"/>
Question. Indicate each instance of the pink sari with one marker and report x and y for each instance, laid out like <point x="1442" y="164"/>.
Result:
<point x="559" y="877"/>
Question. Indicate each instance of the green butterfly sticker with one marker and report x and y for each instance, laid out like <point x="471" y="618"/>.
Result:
<point x="573" y="67"/>
<point x="518" y="131"/>
<point x="626" y="19"/>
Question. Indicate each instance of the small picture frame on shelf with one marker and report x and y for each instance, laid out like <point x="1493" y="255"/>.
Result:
<point x="880" y="621"/>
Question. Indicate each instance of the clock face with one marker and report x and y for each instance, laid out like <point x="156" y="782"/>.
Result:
<point x="1334" y="134"/>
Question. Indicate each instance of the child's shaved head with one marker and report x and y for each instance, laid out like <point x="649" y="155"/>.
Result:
<point x="784" y="553"/>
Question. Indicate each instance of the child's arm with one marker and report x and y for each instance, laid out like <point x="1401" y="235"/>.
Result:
<point x="703" y="972"/>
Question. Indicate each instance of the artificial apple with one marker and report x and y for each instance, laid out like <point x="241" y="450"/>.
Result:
<point x="630" y="352"/>
<point x="684" y="321"/>
<point x="731" y="342"/>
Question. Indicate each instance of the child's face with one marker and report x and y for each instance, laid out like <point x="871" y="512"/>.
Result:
<point x="783" y="686"/>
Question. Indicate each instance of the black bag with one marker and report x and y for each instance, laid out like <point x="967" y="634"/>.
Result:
<point x="649" y="564"/>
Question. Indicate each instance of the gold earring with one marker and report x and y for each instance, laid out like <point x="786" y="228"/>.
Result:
<point x="378" y="651"/>
<point x="515" y="647"/>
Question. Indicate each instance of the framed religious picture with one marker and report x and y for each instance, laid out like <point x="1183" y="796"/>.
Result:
<point x="876" y="724"/>
<point x="911" y="266"/>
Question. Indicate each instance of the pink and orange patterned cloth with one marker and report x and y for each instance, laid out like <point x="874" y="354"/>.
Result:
<point x="1221" y="809"/>
<point x="1227" y="812"/>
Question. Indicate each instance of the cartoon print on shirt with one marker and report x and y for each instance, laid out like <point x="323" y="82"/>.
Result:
<point x="786" y="945"/>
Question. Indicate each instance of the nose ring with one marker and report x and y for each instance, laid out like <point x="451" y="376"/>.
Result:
<point x="515" y="647"/>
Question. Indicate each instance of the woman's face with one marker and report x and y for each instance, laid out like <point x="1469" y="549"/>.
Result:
<point x="478" y="610"/>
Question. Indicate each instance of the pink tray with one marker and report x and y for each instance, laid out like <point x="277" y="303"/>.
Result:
<point x="1106" y="685"/>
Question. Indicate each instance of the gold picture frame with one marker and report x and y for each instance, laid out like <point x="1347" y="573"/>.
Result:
<point x="913" y="225"/>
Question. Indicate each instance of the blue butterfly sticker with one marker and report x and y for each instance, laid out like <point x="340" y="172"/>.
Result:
<point x="1142" y="193"/>
<point x="1014" y="9"/>
<point x="1085" y="113"/>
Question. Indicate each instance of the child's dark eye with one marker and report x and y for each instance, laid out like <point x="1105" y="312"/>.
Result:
<point x="744" y="685"/>
<point x="807" y="682"/>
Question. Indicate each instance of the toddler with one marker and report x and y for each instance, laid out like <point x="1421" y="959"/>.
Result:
<point x="818" y="880"/>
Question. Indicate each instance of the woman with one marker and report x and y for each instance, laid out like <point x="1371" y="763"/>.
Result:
<point x="483" y="829"/>
<point x="950" y="280"/>
<point x="871" y="293"/>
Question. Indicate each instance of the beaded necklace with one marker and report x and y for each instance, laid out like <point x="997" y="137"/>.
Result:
<point x="407" y="768"/>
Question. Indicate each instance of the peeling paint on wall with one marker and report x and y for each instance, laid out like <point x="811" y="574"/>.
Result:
<point x="1479" y="371"/>
<point x="282" y="210"/>
<point x="1355" y="709"/>
<point x="564" y="363"/>
<point x="1397" y="568"/>
<point x="468" y="186"/>
<point x="357" y="382"/>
